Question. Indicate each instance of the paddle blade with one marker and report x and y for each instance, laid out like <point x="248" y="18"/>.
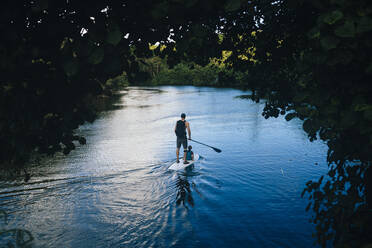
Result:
<point x="216" y="150"/>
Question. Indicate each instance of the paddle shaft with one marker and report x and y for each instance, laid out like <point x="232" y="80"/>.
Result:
<point x="214" y="148"/>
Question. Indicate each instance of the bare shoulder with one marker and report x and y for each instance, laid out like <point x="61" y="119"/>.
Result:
<point x="187" y="123"/>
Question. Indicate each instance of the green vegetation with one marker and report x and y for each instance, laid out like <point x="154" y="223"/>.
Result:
<point x="310" y="59"/>
<point x="116" y="83"/>
<point x="189" y="73"/>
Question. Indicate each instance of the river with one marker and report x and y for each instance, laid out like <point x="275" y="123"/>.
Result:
<point x="117" y="190"/>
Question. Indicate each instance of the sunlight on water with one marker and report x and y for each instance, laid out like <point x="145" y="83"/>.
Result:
<point x="117" y="191"/>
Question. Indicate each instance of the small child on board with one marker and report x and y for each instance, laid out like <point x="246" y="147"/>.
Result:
<point x="189" y="154"/>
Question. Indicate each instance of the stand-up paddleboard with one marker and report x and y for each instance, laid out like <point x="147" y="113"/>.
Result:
<point x="181" y="165"/>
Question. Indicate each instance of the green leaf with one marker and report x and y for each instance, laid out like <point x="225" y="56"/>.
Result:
<point x="313" y="33"/>
<point x="48" y="116"/>
<point x="97" y="56"/>
<point x="329" y="42"/>
<point x="232" y="5"/>
<point x="346" y="31"/>
<point x="114" y="37"/>
<point x="333" y="17"/>
<point x="71" y="68"/>
<point x="362" y="107"/>
<point x="364" y="24"/>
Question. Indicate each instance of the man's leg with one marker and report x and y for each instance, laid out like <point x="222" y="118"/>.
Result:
<point x="178" y="153"/>
<point x="184" y="143"/>
<point x="178" y="149"/>
<point x="184" y="155"/>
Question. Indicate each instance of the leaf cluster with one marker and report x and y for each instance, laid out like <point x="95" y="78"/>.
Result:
<point x="314" y="60"/>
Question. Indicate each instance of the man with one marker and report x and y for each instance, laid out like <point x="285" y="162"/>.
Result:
<point x="180" y="130"/>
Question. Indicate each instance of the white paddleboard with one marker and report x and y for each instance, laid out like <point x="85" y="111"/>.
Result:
<point x="181" y="165"/>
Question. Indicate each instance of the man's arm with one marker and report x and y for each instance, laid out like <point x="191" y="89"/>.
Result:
<point x="188" y="129"/>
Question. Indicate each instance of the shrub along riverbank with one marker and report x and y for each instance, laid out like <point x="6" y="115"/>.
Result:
<point x="157" y="72"/>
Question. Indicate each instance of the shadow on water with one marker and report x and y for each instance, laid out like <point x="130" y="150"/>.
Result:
<point x="14" y="237"/>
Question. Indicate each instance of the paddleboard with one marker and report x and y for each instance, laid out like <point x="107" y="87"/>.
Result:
<point x="181" y="165"/>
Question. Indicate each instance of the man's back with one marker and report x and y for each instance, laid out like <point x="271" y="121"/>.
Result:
<point x="181" y="129"/>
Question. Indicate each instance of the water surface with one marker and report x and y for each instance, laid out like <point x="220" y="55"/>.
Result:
<point x="117" y="191"/>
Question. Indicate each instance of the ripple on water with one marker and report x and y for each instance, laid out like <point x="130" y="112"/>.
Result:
<point x="117" y="191"/>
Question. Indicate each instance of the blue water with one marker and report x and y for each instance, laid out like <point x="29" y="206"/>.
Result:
<point x="117" y="191"/>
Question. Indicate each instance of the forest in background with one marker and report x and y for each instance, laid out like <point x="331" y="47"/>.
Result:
<point x="313" y="63"/>
<point x="155" y="72"/>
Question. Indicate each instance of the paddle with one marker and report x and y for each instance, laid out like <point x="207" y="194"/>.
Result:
<point x="214" y="148"/>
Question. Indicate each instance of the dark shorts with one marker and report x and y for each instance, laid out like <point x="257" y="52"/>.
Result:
<point x="182" y="141"/>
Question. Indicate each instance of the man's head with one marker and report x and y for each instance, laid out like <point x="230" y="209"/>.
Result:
<point x="190" y="147"/>
<point x="183" y="116"/>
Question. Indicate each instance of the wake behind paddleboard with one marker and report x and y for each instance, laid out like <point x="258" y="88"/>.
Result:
<point x="181" y="165"/>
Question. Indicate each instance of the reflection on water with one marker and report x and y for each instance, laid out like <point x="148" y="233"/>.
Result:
<point x="13" y="237"/>
<point x="117" y="191"/>
<point x="184" y="194"/>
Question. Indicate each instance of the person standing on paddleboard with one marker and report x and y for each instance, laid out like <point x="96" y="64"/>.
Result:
<point x="180" y="130"/>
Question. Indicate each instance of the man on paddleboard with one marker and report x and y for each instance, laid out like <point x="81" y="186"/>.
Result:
<point x="180" y="130"/>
